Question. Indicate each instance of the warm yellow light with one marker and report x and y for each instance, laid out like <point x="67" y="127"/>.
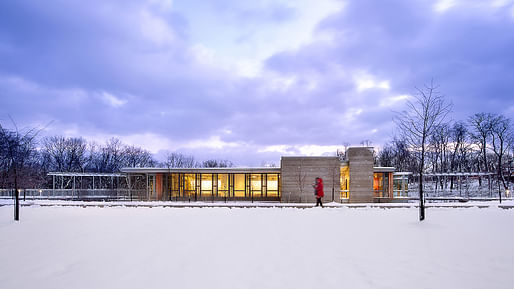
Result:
<point x="206" y="185"/>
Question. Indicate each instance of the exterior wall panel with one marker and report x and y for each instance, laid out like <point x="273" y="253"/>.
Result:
<point x="299" y="173"/>
<point x="360" y="160"/>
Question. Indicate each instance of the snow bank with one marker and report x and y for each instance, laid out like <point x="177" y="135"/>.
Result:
<point x="156" y="247"/>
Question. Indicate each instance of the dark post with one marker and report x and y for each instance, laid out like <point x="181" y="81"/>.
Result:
<point x="16" y="199"/>
<point x="421" y="200"/>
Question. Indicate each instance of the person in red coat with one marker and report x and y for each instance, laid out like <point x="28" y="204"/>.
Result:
<point x="318" y="190"/>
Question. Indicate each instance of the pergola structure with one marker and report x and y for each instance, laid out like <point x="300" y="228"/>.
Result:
<point x="462" y="179"/>
<point x="83" y="183"/>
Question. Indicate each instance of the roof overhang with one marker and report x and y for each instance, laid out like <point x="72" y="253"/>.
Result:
<point x="383" y="169"/>
<point x="201" y="170"/>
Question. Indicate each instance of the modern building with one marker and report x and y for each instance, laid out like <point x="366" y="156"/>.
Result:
<point x="353" y="180"/>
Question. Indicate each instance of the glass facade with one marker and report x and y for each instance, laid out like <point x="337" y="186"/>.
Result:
<point x="249" y="184"/>
<point x="223" y="185"/>
<point x="228" y="185"/>
<point x="400" y="186"/>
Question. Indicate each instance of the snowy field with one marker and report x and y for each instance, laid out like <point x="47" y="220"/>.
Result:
<point x="341" y="247"/>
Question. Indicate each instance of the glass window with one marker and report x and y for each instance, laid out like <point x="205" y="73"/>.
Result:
<point x="378" y="181"/>
<point x="381" y="185"/>
<point x="223" y="185"/>
<point x="151" y="185"/>
<point x="174" y="184"/>
<point x="344" y="181"/>
<point x="206" y="184"/>
<point x="272" y="185"/>
<point x="256" y="184"/>
<point x="400" y="186"/>
<point x="239" y="185"/>
<point x="189" y="184"/>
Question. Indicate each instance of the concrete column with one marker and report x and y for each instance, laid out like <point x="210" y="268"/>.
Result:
<point x="360" y="160"/>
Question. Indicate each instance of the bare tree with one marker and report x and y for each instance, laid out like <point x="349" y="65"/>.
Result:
<point x="217" y="164"/>
<point x="439" y="147"/>
<point x="17" y="148"/>
<point x="268" y="164"/>
<point x="137" y="157"/>
<point x="480" y="124"/>
<point x="426" y="110"/>
<point x="386" y="156"/>
<point x="501" y="133"/>
<point x="397" y="154"/>
<point x="458" y="137"/>
<point x="178" y="160"/>
<point x="366" y="143"/>
<point x="64" y="154"/>
<point x="342" y="153"/>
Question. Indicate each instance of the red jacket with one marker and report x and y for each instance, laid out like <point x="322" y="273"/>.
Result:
<point x="319" y="189"/>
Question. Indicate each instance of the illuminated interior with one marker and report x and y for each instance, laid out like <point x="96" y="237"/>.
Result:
<point x="174" y="185"/>
<point x="272" y="185"/>
<point x="256" y="185"/>
<point x="344" y="180"/>
<point x="239" y="185"/>
<point x="381" y="185"/>
<point x="206" y="185"/>
<point x="193" y="186"/>
<point x="223" y="185"/>
<point x="189" y="184"/>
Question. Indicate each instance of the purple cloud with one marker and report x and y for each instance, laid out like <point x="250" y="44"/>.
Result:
<point x="142" y="72"/>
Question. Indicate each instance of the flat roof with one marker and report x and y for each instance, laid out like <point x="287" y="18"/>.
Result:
<point x="456" y="174"/>
<point x="202" y="170"/>
<point x="383" y="169"/>
<point x="70" y="174"/>
<point x="402" y="173"/>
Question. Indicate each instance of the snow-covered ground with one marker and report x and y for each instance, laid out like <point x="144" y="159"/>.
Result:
<point x="340" y="247"/>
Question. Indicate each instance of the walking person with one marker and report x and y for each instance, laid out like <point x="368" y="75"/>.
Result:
<point x="318" y="191"/>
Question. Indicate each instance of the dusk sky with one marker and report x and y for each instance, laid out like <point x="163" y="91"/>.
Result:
<point x="247" y="81"/>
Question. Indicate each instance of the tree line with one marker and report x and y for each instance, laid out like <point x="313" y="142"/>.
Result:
<point x="482" y="143"/>
<point x="426" y="142"/>
<point x="26" y="159"/>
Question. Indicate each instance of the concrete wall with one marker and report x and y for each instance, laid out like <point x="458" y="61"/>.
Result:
<point x="360" y="160"/>
<point x="299" y="173"/>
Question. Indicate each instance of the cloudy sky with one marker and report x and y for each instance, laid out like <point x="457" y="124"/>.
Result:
<point x="247" y="80"/>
